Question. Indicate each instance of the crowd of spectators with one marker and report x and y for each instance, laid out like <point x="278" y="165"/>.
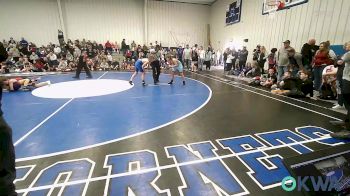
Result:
<point x="314" y="71"/>
<point x="284" y="71"/>
<point x="26" y="56"/>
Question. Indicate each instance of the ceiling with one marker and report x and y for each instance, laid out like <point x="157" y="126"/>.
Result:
<point x="203" y="2"/>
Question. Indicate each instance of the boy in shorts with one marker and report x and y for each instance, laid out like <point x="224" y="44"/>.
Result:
<point x="176" y="66"/>
<point x="139" y="67"/>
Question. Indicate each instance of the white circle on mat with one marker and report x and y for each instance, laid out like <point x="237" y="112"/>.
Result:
<point x="82" y="88"/>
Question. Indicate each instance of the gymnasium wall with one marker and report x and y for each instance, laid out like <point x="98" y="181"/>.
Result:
<point x="103" y="20"/>
<point x="168" y="22"/>
<point x="178" y="23"/>
<point x="319" y="19"/>
<point x="36" y="20"/>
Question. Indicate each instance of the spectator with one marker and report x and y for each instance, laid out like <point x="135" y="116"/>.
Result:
<point x="283" y="59"/>
<point x="109" y="58"/>
<point x="229" y="61"/>
<point x="295" y="87"/>
<point x="32" y="47"/>
<point x="262" y="58"/>
<point x="63" y="65"/>
<point x="331" y="52"/>
<point x="52" y="59"/>
<point x="270" y="80"/>
<point x="256" y="52"/>
<point x="108" y="46"/>
<point x="38" y="65"/>
<point x="235" y="57"/>
<point x="201" y="55"/>
<point x="271" y="59"/>
<point x="224" y="57"/>
<point x="124" y="47"/>
<point x="208" y="58"/>
<point x="187" y="57"/>
<point x="12" y="41"/>
<point x="133" y="46"/>
<point x="321" y="60"/>
<point x="295" y="62"/>
<point x="340" y="65"/>
<point x="69" y="57"/>
<point x="104" y="65"/>
<point x="329" y="82"/>
<point x="23" y="50"/>
<point x="14" y="53"/>
<point x="60" y="37"/>
<point x="158" y="46"/>
<point x="19" y="64"/>
<point x="23" y="43"/>
<point x="255" y="71"/>
<point x="179" y="54"/>
<point x="243" y="55"/>
<point x="345" y="134"/>
<point x="219" y="58"/>
<point x="308" y="52"/>
<point x="57" y="50"/>
<point x="195" y="58"/>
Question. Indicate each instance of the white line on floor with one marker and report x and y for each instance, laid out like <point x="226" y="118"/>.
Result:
<point x="310" y="110"/>
<point x="47" y="118"/>
<point x="175" y="165"/>
<point x="125" y="137"/>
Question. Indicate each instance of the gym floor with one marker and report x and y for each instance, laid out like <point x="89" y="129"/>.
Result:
<point x="213" y="136"/>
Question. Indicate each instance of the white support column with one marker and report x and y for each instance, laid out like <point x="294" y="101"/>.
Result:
<point x="61" y="19"/>
<point x="145" y="11"/>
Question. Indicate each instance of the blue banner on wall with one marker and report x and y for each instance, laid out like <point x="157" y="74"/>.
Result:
<point x="233" y="12"/>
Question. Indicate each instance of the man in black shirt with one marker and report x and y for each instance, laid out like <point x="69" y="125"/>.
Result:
<point x="82" y="64"/>
<point x="7" y="151"/>
<point x="308" y="52"/>
<point x="124" y="47"/>
<point x="243" y="56"/>
<point x="296" y="87"/>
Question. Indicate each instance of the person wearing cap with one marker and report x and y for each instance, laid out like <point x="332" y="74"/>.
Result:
<point x="283" y="59"/>
<point x="295" y="62"/>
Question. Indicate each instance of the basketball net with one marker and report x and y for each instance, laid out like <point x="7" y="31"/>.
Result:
<point x="276" y="5"/>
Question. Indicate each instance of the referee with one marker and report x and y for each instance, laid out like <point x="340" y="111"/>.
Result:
<point x="82" y="64"/>
<point x="7" y="151"/>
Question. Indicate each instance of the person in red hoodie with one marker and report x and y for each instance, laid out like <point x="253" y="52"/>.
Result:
<point x="38" y="65"/>
<point x="108" y="46"/>
<point x="320" y="61"/>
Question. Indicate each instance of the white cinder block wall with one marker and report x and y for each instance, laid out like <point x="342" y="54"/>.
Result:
<point x="178" y="23"/>
<point x="168" y="22"/>
<point x="319" y="19"/>
<point x="36" y="20"/>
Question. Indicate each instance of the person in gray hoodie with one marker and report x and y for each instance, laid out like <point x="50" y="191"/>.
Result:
<point x="345" y="91"/>
<point x="283" y="59"/>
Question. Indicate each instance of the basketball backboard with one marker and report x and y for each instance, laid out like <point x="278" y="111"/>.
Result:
<point x="270" y="6"/>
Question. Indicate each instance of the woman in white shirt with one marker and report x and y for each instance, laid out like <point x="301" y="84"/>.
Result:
<point x="208" y="58"/>
<point x="229" y="59"/>
<point x="201" y="55"/>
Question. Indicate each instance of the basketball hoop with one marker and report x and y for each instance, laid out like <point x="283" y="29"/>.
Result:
<point x="280" y="5"/>
<point x="273" y="6"/>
